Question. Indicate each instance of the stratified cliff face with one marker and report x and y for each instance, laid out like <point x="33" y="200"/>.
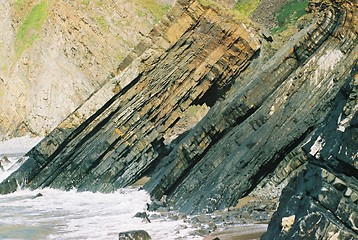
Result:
<point x="320" y="202"/>
<point x="54" y="54"/>
<point x="190" y="59"/>
<point x="244" y="137"/>
<point x="297" y="109"/>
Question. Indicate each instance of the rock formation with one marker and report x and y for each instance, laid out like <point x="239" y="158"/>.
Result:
<point x="244" y="137"/>
<point x="190" y="59"/>
<point x="55" y="54"/>
<point x="295" y="113"/>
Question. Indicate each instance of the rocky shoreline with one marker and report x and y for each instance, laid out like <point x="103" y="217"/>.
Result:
<point x="247" y="220"/>
<point x="291" y="120"/>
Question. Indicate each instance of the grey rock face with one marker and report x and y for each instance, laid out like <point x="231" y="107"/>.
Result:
<point x="246" y="136"/>
<point x="323" y="197"/>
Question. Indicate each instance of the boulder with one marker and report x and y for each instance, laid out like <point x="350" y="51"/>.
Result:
<point x="134" y="235"/>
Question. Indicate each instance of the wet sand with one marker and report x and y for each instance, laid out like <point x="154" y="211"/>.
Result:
<point x="246" y="232"/>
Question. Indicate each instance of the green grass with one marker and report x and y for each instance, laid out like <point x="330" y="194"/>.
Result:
<point x="19" y="2"/>
<point x="102" y="23"/>
<point x="241" y="10"/>
<point x="207" y="3"/>
<point x="289" y="14"/>
<point x="155" y="8"/>
<point x="31" y="26"/>
<point x="246" y="7"/>
<point x="85" y="3"/>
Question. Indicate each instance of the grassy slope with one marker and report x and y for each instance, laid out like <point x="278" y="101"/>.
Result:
<point x="30" y="28"/>
<point x="157" y="9"/>
<point x="289" y="13"/>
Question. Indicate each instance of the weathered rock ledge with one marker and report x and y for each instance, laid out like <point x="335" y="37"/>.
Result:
<point x="115" y="136"/>
<point x="296" y="115"/>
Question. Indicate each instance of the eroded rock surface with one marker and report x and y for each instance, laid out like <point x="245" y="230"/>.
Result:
<point x="190" y="59"/>
<point x="244" y="137"/>
<point x="50" y="66"/>
<point x="294" y="115"/>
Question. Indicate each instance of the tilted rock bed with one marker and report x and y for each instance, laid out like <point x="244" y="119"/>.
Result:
<point x="294" y="119"/>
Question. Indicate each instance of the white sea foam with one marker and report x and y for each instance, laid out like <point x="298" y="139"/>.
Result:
<point x="72" y="215"/>
<point x="11" y="152"/>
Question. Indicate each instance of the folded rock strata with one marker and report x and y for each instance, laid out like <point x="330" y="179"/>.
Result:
<point x="243" y="138"/>
<point x="114" y="137"/>
<point x="298" y="111"/>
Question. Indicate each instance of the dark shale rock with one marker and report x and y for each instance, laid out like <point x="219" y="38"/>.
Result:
<point x="143" y="215"/>
<point x="245" y="137"/>
<point x="320" y="196"/>
<point x="38" y="195"/>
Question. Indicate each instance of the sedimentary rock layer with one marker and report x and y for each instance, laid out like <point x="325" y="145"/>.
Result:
<point x="321" y="201"/>
<point x="54" y="54"/>
<point x="115" y="136"/>
<point x="284" y="111"/>
<point x="246" y="136"/>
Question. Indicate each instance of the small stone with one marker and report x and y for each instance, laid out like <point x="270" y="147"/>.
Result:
<point x="212" y="226"/>
<point x="173" y="216"/>
<point x="287" y="222"/>
<point x="134" y="235"/>
<point x="348" y="192"/>
<point x="339" y="184"/>
<point x="142" y="215"/>
<point x="38" y="195"/>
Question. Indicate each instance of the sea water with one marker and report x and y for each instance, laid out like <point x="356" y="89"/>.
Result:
<point x="57" y="214"/>
<point x="75" y="215"/>
<point x="85" y="215"/>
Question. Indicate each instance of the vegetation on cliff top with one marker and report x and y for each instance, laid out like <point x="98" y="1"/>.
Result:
<point x="30" y="27"/>
<point x="246" y="7"/>
<point x="154" y="7"/>
<point x="289" y="13"/>
<point x="241" y="10"/>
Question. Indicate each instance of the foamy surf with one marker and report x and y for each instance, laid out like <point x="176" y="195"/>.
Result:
<point x="81" y="215"/>
<point x="57" y="214"/>
<point x="74" y="215"/>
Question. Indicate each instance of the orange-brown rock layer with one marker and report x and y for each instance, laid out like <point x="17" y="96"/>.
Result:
<point x="115" y="136"/>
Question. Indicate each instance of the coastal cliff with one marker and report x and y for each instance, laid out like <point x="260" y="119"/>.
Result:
<point x="198" y="108"/>
<point x="55" y="54"/>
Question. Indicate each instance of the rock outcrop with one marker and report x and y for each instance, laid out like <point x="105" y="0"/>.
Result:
<point x="295" y="114"/>
<point x="55" y="54"/>
<point x="244" y="137"/>
<point x="190" y="59"/>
